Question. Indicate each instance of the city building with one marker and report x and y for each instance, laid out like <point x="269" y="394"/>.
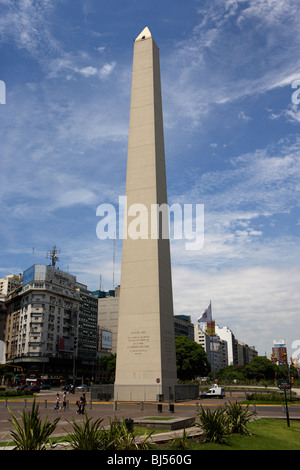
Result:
<point x="243" y="353"/>
<point x="40" y="318"/>
<point x="225" y="334"/>
<point x="108" y="314"/>
<point x="279" y="352"/>
<point x="214" y="346"/>
<point x="2" y="318"/>
<point x="222" y="348"/>
<point x="9" y="283"/>
<point x="51" y="325"/>
<point x="87" y="337"/>
<point x="183" y="326"/>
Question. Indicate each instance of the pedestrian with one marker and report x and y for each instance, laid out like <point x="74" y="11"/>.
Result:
<point x="83" y="401"/>
<point x="64" y="402"/>
<point x="79" y="404"/>
<point x="57" y="400"/>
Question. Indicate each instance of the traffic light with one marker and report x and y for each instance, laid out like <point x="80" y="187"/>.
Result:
<point x="284" y="357"/>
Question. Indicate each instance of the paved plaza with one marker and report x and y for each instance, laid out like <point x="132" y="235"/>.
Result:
<point x="109" y="410"/>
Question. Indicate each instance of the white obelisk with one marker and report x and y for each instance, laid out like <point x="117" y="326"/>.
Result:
<point x="146" y="358"/>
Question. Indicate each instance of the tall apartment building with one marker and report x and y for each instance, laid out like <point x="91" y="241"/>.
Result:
<point x="9" y="283"/>
<point x="279" y="352"/>
<point x="2" y="318"/>
<point x="244" y="353"/>
<point x="227" y="335"/>
<point x="223" y="349"/>
<point x="184" y="326"/>
<point x="49" y="322"/>
<point x="87" y="336"/>
<point x="108" y="314"/>
<point x="215" y="348"/>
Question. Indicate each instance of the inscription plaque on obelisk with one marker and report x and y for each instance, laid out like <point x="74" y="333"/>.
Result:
<point x="146" y="358"/>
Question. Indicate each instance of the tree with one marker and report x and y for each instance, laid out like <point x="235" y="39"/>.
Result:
<point x="230" y="373"/>
<point x="191" y="359"/>
<point x="260" y="368"/>
<point x="107" y="363"/>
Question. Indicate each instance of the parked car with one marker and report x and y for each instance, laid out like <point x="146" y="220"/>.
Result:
<point x="45" y="387"/>
<point x="82" y="388"/>
<point x="32" y="388"/>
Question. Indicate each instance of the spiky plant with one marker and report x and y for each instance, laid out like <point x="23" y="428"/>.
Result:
<point x="180" y="442"/>
<point x="213" y="424"/>
<point x="87" y="435"/>
<point x="238" y="417"/>
<point x="32" y="433"/>
<point x="118" y="437"/>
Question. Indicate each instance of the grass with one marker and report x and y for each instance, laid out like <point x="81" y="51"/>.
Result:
<point x="266" y="434"/>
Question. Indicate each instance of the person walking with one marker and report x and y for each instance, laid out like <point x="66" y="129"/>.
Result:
<point x="83" y="402"/>
<point x="57" y="400"/>
<point x="79" y="404"/>
<point x="64" y="402"/>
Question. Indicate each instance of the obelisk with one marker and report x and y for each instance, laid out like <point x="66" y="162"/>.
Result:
<point x="146" y="358"/>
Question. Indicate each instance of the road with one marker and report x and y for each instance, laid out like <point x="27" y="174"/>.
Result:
<point x="108" y="410"/>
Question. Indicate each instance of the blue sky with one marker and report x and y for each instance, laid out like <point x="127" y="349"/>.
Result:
<point x="232" y="143"/>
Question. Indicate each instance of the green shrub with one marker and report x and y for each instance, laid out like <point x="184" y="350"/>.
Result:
<point x="15" y="393"/>
<point x="217" y="425"/>
<point x="117" y="437"/>
<point x="32" y="434"/>
<point x="238" y="417"/>
<point x="87" y="436"/>
<point x="277" y="397"/>
<point x="214" y="424"/>
<point x="93" y="436"/>
<point x="180" y="442"/>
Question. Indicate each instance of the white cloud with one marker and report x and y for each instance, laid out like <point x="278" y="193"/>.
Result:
<point x="243" y="116"/>
<point x="88" y="71"/>
<point x="101" y="73"/>
<point x="26" y="22"/>
<point x="238" y="49"/>
<point x="252" y="301"/>
<point x="107" y="69"/>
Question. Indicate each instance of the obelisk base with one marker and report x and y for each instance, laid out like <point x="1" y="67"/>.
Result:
<point x="145" y="393"/>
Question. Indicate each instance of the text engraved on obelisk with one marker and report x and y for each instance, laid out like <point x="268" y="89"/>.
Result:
<point x="138" y="342"/>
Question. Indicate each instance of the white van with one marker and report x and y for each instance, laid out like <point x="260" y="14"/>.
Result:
<point x="214" y="392"/>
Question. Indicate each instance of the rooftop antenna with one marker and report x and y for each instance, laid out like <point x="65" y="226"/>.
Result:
<point x="52" y="254"/>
